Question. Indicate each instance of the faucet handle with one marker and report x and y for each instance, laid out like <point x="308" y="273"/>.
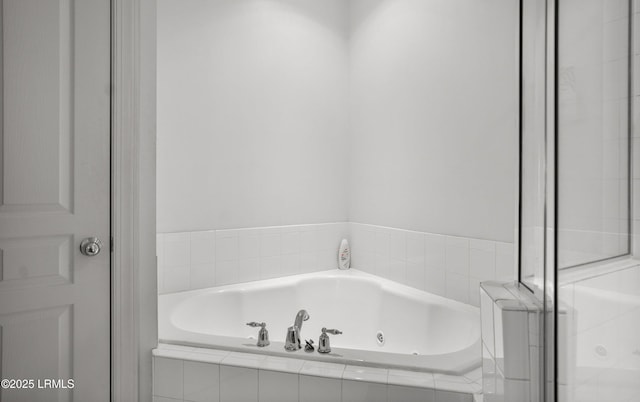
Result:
<point x="324" y="344"/>
<point x="263" y="334"/>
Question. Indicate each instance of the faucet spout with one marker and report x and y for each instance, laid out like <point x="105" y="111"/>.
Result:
<point x="292" y="341"/>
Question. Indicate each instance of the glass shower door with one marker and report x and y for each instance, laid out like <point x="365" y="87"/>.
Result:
<point x="598" y="279"/>
<point x="576" y="249"/>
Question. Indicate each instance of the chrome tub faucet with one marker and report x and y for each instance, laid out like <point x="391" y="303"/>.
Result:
<point x="292" y="342"/>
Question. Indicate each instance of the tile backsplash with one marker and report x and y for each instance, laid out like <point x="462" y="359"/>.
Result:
<point x="195" y="260"/>
<point x="449" y="266"/>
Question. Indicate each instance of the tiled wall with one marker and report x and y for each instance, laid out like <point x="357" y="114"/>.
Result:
<point x="444" y="265"/>
<point x="511" y="326"/>
<point x="448" y="266"/>
<point x="194" y="260"/>
<point x="206" y="375"/>
<point x="598" y="345"/>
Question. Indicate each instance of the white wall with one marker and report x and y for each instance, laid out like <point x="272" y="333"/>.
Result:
<point x="251" y="113"/>
<point x="253" y="106"/>
<point x="434" y="115"/>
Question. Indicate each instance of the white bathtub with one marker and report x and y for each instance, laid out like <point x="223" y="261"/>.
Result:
<point x="421" y="331"/>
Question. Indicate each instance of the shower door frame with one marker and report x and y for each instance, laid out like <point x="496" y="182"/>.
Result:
<point x="546" y="294"/>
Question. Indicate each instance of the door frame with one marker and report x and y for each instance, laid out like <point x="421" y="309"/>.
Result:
<point x="133" y="253"/>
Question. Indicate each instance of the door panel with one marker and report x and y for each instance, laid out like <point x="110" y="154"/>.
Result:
<point x="38" y="96"/>
<point x="20" y="332"/>
<point x="35" y="261"/>
<point x="54" y="192"/>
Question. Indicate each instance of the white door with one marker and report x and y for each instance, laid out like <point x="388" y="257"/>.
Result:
<point x="54" y="192"/>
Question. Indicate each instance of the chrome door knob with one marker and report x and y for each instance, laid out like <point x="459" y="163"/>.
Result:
<point x="91" y="246"/>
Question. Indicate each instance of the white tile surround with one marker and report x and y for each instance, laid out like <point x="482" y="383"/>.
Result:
<point x="195" y="260"/>
<point x="448" y="266"/>
<point x="444" y="265"/>
<point x="511" y="328"/>
<point x="206" y="375"/>
<point x="598" y="343"/>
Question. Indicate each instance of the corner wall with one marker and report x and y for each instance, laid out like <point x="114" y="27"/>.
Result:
<point x="289" y="114"/>
<point x="252" y="113"/>
<point x="434" y="109"/>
